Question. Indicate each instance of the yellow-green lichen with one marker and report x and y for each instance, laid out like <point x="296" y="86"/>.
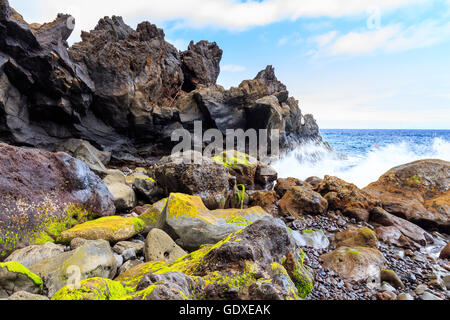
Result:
<point x="16" y="267"/>
<point x="93" y="289"/>
<point x="107" y="226"/>
<point x="233" y="159"/>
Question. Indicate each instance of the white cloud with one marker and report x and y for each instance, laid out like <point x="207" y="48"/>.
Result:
<point x="388" y="39"/>
<point x="228" y="14"/>
<point x="358" y="111"/>
<point x="324" y="39"/>
<point x="232" y="68"/>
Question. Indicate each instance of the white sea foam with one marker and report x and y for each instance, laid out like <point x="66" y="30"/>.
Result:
<point x="312" y="160"/>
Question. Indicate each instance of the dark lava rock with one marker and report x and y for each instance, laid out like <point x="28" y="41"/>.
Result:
<point x="43" y="194"/>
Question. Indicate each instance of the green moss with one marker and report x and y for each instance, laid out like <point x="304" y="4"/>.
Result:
<point x="93" y="289"/>
<point x="16" y="267"/>
<point x="308" y="231"/>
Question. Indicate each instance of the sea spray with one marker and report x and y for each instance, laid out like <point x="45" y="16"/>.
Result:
<point x="360" y="166"/>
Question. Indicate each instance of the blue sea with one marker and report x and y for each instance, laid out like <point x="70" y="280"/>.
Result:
<point x="362" y="156"/>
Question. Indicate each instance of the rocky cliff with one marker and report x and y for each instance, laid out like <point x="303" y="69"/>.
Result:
<point x="126" y="90"/>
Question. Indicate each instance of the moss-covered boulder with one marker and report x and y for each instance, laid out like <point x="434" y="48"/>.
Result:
<point x="152" y="214"/>
<point x="248" y="171"/>
<point x="113" y="229"/>
<point x="362" y="237"/>
<point x="31" y="255"/>
<point x="259" y="262"/>
<point x="355" y="263"/>
<point x="43" y="194"/>
<point x="92" y="289"/>
<point x="94" y="259"/>
<point x="146" y="187"/>
<point x="193" y="174"/>
<point x="14" y="277"/>
<point x="187" y="219"/>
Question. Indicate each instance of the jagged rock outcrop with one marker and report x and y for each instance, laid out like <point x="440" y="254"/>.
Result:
<point x="126" y="90"/>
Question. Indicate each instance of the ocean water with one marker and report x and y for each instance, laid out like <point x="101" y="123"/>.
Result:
<point x="362" y="156"/>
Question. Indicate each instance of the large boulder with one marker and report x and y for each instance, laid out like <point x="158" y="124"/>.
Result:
<point x="43" y="194"/>
<point x="95" y="288"/>
<point x="417" y="191"/>
<point x="159" y="246"/>
<point x="94" y="259"/>
<point x="152" y="213"/>
<point x="300" y="201"/>
<point x="113" y="229"/>
<point x="355" y="263"/>
<point x="193" y="174"/>
<point x="250" y="172"/>
<point x="258" y="263"/>
<point x="347" y="198"/>
<point x="187" y="219"/>
<point x="31" y="255"/>
<point x="352" y="237"/>
<point x="14" y="277"/>
<point x="445" y="253"/>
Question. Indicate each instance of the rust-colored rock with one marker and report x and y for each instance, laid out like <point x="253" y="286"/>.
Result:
<point x="417" y="191"/>
<point x="364" y="237"/>
<point x="266" y="200"/>
<point x="299" y="201"/>
<point x="346" y="197"/>
<point x="445" y="253"/>
<point x="283" y="185"/>
<point x="355" y="263"/>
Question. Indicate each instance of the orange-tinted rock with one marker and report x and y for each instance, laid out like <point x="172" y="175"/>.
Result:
<point x="266" y="200"/>
<point x="445" y="253"/>
<point x="357" y="237"/>
<point x="299" y="201"/>
<point x="418" y="191"/>
<point x="355" y="263"/>
<point x="346" y="197"/>
<point x="283" y="185"/>
<point x="314" y="182"/>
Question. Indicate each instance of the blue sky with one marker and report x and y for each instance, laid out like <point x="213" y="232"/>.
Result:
<point x="351" y="63"/>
